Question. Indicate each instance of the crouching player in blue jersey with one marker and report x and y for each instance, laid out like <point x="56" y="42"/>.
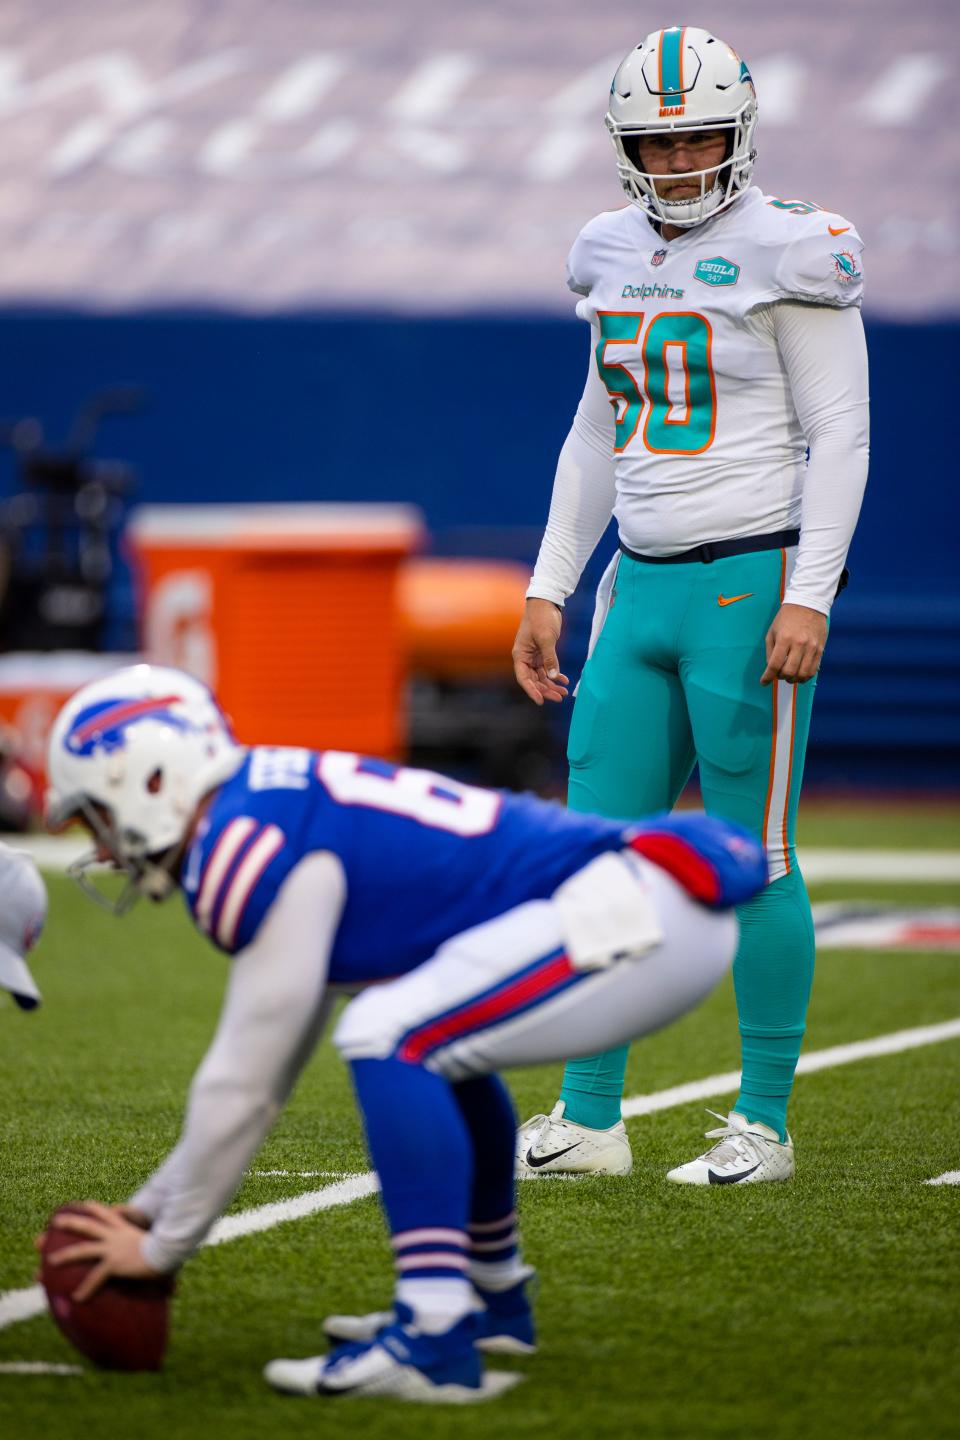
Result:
<point x="501" y="931"/>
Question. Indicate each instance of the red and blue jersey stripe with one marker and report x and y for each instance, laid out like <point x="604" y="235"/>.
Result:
<point x="543" y="980"/>
<point x="227" y="881"/>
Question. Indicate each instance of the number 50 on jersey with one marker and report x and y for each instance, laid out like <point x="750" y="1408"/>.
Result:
<point x="677" y="394"/>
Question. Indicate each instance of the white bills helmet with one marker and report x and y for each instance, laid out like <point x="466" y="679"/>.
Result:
<point x="133" y="754"/>
<point x="683" y="79"/>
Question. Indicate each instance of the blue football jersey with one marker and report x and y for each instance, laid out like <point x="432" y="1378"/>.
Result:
<point x="425" y="857"/>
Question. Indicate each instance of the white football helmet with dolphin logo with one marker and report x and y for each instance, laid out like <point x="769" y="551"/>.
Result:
<point x="133" y="754"/>
<point x="683" y="79"/>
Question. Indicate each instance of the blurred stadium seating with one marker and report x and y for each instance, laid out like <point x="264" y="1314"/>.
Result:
<point x="332" y="253"/>
<point x="425" y="157"/>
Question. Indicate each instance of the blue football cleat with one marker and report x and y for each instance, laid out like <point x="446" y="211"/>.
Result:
<point x="398" y="1363"/>
<point x="504" y="1325"/>
<point x="506" y="1322"/>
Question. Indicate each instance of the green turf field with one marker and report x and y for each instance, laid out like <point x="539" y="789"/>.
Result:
<point x="826" y="1306"/>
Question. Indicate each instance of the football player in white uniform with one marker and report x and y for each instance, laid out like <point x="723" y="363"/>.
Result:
<point x="726" y="340"/>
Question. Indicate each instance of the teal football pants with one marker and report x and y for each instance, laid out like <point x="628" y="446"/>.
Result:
<point x="674" y="681"/>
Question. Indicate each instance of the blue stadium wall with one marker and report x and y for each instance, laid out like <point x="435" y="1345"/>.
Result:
<point x="464" y="417"/>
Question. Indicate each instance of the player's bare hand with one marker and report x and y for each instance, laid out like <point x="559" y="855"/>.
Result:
<point x="535" y="662"/>
<point x="135" y="1216"/>
<point x="795" y="644"/>
<point x="112" y="1241"/>
<point x="130" y="1213"/>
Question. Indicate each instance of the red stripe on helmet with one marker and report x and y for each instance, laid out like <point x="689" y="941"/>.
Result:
<point x="121" y="713"/>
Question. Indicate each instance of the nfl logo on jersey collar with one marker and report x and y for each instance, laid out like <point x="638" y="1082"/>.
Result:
<point x="658" y="257"/>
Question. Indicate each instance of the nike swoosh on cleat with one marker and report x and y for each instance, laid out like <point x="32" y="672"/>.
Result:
<point x="838" y="229"/>
<point x="716" y="1179"/>
<point x="732" y="599"/>
<point x="535" y="1161"/>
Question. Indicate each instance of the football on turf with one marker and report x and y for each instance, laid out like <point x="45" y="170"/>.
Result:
<point x="124" y="1326"/>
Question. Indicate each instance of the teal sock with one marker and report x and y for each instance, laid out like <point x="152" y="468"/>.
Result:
<point x="592" y="1088"/>
<point x="772" y="976"/>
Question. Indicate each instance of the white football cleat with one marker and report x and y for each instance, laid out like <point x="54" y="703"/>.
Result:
<point x="743" y="1153"/>
<point x="400" y="1364"/>
<point x="380" y="1378"/>
<point x="550" y="1145"/>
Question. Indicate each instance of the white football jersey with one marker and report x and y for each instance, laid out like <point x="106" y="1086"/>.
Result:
<point x="707" y="441"/>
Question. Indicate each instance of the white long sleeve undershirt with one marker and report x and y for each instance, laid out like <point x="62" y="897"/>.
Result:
<point x="824" y="352"/>
<point x="584" y="490"/>
<point x="824" y="355"/>
<point x="272" y="1019"/>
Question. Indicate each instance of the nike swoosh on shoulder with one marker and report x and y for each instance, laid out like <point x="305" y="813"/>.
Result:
<point x="838" y="229"/>
<point x="732" y="599"/>
<point x="535" y="1161"/>
<point x="716" y="1179"/>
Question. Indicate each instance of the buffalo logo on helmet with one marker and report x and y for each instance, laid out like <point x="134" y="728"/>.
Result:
<point x="103" y="726"/>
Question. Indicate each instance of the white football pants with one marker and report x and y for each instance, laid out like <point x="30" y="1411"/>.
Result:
<point x="505" y="993"/>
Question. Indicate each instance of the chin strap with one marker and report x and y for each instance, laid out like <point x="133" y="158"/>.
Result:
<point x="683" y="212"/>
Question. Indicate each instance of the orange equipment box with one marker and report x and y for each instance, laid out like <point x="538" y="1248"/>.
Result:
<point x="33" y="687"/>
<point x="460" y="616"/>
<point x="288" y="611"/>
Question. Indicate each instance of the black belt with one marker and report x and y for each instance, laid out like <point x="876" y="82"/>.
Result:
<point x="720" y="549"/>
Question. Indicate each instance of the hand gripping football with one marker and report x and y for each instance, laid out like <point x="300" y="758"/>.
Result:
<point x="125" y="1326"/>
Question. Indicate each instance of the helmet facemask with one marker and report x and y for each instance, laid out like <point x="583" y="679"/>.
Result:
<point x="152" y="875"/>
<point x="719" y="185"/>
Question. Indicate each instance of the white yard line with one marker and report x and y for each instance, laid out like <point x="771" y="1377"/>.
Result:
<point x="56" y="852"/>
<point x="17" y="1305"/>
<point x="722" y="1084"/>
<point x="51" y="852"/>
<point x="38" y="1367"/>
<point x="264" y="1217"/>
<point x="949" y="1177"/>
<point x="301" y="1174"/>
<point x="931" y="866"/>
